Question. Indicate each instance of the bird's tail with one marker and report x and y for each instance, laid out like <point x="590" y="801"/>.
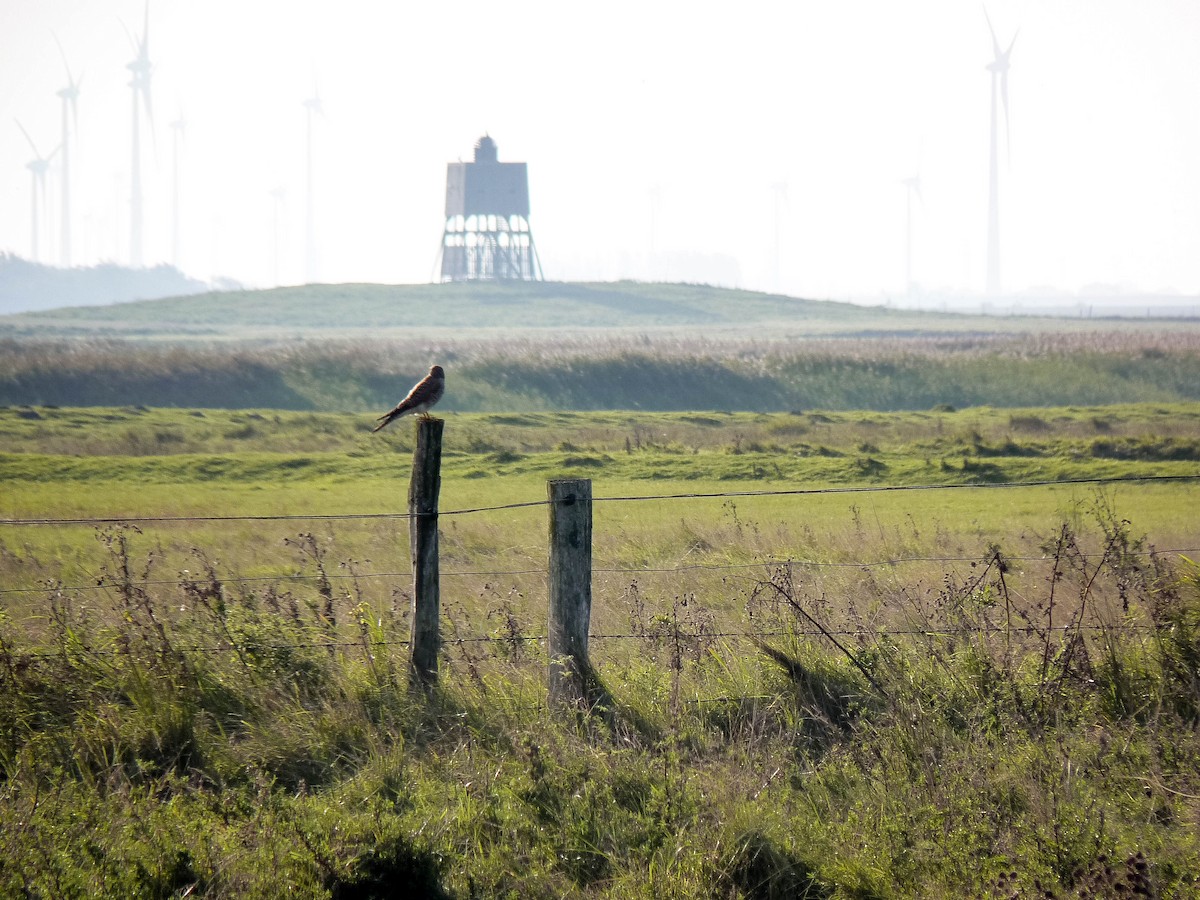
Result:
<point x="383" y="421"/>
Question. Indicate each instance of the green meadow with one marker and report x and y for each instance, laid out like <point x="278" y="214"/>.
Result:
<point x="126" y="463"/>
<point x="850" y="654"/>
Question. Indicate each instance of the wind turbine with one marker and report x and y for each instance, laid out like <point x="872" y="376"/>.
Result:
<point x="70" y="123"/>
<point x="141" y="70"/>
<point x="178" y="127"/>
<point x="779" y="189"/>
<point x="912" y="186"/>
<point x="278" y="195"/>
<point x="37" y="170"/>
<point x="655" y="195"/>
<point x="312" y="108"/>
<point x="999" y="69"/>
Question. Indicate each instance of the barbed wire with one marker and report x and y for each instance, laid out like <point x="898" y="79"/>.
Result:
<point x="715" y="495"/>
<point x="873" y="564"/>
<point x="658" y="633"/>
<point x="647" y="635"/>
<point x="252" y="579"/>
<point x="144" y="520"/>
<point x="881" y="488"/>
<point x="598" y="570"/>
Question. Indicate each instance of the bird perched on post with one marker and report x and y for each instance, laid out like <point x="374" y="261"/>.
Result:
<point x="424" y="394"/>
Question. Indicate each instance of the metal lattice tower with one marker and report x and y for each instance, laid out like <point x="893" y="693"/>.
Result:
<point x="487" y="236"/>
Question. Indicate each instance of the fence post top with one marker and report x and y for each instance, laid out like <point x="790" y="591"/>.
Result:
<point x="566" y="491"/>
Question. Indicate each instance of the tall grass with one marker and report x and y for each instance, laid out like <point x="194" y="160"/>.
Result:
<point x="660" y="374"/>
<point x="992" y="732"/>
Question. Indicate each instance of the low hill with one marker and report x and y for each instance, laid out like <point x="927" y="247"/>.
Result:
<point x="483" y="310"/>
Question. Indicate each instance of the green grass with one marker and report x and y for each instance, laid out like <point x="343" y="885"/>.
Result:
<point x="115" y="463"/>
<point x="1043" y="431"/>
<point x="51" y="446"/>
<point x="220" y="708"/>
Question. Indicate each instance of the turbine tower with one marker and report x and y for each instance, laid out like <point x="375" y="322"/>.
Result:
<point x="70" y="123"/>
<point x="140" y="84"/>
<point x="178" y="127"/>
<point x="779" y="189"/>
<point x="37" y="170"/>
<point x="999" y="69"/>
<point x="312" y="107"/>
<point x="912" y="186"/>
<point x="278" y="196"/>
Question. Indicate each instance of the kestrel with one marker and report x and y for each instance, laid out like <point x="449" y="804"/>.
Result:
<point x="427" y="392"/>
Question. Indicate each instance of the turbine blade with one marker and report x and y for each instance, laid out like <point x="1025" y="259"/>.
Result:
<point x="28" y="138"/>
<point x="145" y="46"/>
<point x="995" y="43"/>
<point x="66" y="65"/>
<point x="133" y="45"/>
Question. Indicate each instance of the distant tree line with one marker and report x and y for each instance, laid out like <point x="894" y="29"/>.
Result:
<point x="29" y="286"/>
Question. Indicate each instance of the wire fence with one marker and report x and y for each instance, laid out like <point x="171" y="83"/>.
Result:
<point x="715" y="495"/>
<point x="599" y="570"/>
<point x="107" y="583"/>
<point x="371" y="644"/>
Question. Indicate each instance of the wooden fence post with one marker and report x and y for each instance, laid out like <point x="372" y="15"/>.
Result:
<point x="570" y="590"/>
<point x="425" y="639"/>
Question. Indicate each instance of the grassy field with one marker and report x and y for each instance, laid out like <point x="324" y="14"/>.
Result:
<point x="832" y="488"/>
<point x="967" y="688"/>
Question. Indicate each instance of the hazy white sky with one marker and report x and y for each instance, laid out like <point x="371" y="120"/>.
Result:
<point x="665" y="140"/>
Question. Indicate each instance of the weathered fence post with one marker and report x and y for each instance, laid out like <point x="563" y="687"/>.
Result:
<point x="570" y="589"/>
<point x="423" y="490"/>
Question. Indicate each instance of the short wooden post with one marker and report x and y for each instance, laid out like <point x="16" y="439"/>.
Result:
<point x="570" y="589"/>
<point x="425" y="639"/>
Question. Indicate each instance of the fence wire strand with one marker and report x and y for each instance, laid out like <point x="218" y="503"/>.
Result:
<point x="716" y="495"/>
<point x="369" y="644"/>
<point x="100" y="585"/>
